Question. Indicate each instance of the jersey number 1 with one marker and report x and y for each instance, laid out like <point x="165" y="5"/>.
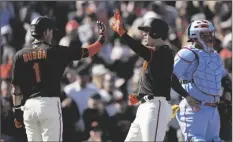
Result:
<point x="37" y="71"/>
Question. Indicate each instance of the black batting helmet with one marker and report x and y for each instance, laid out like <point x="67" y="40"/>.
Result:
<point x="157" y="28"/>
<point x="40" y="24"/>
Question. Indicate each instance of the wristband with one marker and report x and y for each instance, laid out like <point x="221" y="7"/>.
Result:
<point x="121" y="32"/>
<point x="17" y="107"/>
<point x="101" y="39"/>
<point x="16" y="94"/>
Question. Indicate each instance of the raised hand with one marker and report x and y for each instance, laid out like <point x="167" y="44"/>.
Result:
<point x="101" y="28"/>
<point x="117" y="24"/>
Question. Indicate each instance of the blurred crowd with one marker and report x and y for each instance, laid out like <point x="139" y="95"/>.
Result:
<point x="95" y="90"/>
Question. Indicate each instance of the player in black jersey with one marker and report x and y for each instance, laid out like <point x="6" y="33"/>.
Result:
<point x="154" y="112"/>
<point x="36" y="78"/>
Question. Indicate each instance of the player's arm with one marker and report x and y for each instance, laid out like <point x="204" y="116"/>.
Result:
<point x="16" y="92"/>
<point x="95" y="47"/>
<point x="77" y="53"/>
<point x="16" y="95"/>
<point x="176" y="86"/>
<point x="18" y="113"/>
<point x="183" y="60"/>
<point x="136" y="46"/>
<point x="16" y="77"/>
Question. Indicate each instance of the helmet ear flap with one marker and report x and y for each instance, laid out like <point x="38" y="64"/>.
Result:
<point x="153" y="35"/>
<point x="34" y="27"/>
<point x="189" y="27"/>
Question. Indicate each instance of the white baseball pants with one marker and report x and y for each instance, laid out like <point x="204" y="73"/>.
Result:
<point x="151" y="121"/>
<point x="43" y="119"/>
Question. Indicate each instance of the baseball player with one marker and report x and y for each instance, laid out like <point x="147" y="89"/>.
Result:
<point x="202" y="73"/>
<point x="154" y="111"/>
<point x="36" y="78"/>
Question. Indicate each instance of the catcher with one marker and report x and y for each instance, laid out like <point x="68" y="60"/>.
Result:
<point x="202" y="74"/>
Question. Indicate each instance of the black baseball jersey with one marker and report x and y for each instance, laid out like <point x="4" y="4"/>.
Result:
<point x="156" y="75"/>
<point x="38" y="70"/>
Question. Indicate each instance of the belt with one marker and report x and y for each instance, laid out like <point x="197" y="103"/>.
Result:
<point x="211" y="104"/>
<point x="186" y="81"/>
<point x="192" y="81"/>
<point x="146" y="98"/>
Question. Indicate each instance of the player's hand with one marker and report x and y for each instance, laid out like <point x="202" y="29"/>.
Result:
<point x="101" y="28"/>
<point x="194" y="104"/>
<point x="133" y="100"/>
<point x="117" y="24"/>
<point x="101" y="32"/>
<point x="18" y="114"/>
<point x="18" y="124"/>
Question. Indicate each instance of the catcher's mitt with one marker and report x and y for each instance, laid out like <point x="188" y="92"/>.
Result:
<point x="225" y="110"/>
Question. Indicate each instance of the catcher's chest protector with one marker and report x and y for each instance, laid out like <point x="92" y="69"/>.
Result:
<point x="208" y="74"/>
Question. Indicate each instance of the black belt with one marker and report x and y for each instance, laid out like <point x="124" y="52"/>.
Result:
<point x="215" y="104"/>
<point x="186" y="81"/>
<point x="146" y="98"/>
<point x="211" y="104"/>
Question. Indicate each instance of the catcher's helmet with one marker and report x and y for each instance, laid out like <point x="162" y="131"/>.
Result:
<point x="157" y="28"/>
<point x="198" y="26"/>
<point x="40" y="24"/>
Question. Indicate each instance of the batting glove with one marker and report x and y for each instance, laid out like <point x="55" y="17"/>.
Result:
<point x="18" y="114"/>
<point x="102" y="31"/>
<point x="117" y="24"/>
<point x="133" y="100"/>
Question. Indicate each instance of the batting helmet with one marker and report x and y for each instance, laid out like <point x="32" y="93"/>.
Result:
<point x="40" y="24"/>
<point x="157" y="28"/>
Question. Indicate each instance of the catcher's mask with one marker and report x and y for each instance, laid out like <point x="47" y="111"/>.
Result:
<point x="157" y="28"/>
<point x="203" y="33"/>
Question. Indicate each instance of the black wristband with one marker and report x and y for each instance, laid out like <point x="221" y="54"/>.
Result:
<point x="139" y="96"/>
<point x="101" y="39"/>
<point x="184" y="95"/>
<point x="16" y="94"/>
<point x="17" y="107"/>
